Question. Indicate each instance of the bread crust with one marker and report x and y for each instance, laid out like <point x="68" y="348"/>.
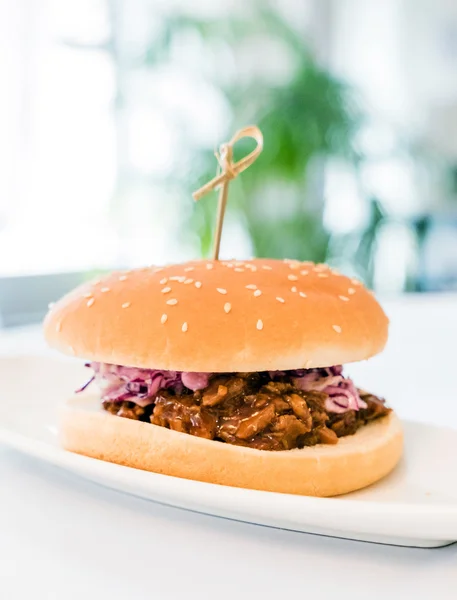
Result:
<point x="323" y="470"/>
<point x="219" y="316"/>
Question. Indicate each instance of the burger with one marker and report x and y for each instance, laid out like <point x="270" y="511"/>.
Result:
<point x="229" y="372"/>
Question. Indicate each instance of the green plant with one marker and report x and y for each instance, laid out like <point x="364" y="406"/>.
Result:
<point x="305" y="117"/>
<point x="304" y="121"/>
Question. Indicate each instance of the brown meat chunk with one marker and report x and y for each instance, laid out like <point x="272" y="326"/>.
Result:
<point x="214" y="394"/>
<point x="278" y="388"/>
<point x="223" y="389"/>
<point x="327" y="436"/>
<point x="258" y="400"/>
<point x="344" y="424"/>
<point x="289" y="429"/>
<point x="180" y="414"/>
<point x="202" y="424"/>
<point x="237" y="386"/>
<point x="316" y="401"/>
<point x="128" y="410"/>
<point x="281" y="404"/>
<point x="250" y="410"/>
<point x="376" y="407"/>
<point x="258" y="421"/>
<point x="111" y="407"/>
<point x="131" y="412"/>
<point x="300" y="408"/>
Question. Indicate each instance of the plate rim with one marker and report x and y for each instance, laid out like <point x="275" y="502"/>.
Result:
<point x="63" y="458"/>
<point x="345" y="516"/>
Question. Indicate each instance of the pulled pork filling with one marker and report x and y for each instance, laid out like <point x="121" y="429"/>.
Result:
<point x="274" y="410"/>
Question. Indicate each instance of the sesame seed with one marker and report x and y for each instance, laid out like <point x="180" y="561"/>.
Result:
<point x="88" y="295"/>
<point x="186" y="281"/>
<point x="163" y="318"/>
<point x="165" y="290"/>
<point x="302" y="294"/>
<point x="294" y="265"/>
<point x="184" y="327"/>
<point x="337" y="328"/>
<point x="267" y="267"/>
<point x="257" y="293"/>
<point x="238" y="270"/>
<point x="126" y="305"/>
<point x="221" y="290"/>
<point x="122" y="277"/>
<point x="351" y="291"/>
<point x="178" y="278"/>
<point x="304" y="272"/>
<point x="90" y="302"/>
<point x="187" y="269"/>
<point x="158" y="269"/>
<point x="355" y="282"/>
<point x="58" y="326"/>
<point x="172" y="301"/>
<point x="105" y="289"/>
<point x="198" y="284"/>
<point x="279" y="299"/>
<point x="251" y="286"/>
<point x="71" y="349"/>
<point x="252" y="267"/>
<point x="293" y="289"/>
<point x="209" y="265"/>
<point x="344" y="298"/>
<point x="322" y="274"/>
<point x="259" y="324"/>
<point x="51" y="304"/>
<point x="227" y="307"/>
<point x="96" y="282"/>
<point x="292" y="277"/>
<point x="163" y="281"/>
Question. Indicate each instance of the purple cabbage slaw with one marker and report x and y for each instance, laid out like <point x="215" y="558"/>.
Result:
<point x="343" y="395"/>
<point x="132" y="384"/>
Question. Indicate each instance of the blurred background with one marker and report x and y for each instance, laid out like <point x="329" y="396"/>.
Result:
<point x="111" y="110"/>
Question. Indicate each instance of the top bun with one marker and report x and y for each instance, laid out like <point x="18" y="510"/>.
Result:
<point x="220" y="316"/>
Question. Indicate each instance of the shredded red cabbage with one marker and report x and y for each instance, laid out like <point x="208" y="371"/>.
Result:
<point x="119" y="383"/>
<point x="343" y="395"/>
<point x="140" y="386"/>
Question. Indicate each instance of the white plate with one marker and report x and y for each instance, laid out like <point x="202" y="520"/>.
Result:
<point x="415" y="506"/>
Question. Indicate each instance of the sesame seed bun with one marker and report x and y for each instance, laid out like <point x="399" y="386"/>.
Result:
<point x="220" y="316"/>
<point x="323" y="470"/>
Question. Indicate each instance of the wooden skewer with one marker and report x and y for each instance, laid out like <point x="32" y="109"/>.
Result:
<point x="228" y="171"/>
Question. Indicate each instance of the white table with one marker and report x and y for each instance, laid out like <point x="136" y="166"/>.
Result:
<point x="64" y="538"/>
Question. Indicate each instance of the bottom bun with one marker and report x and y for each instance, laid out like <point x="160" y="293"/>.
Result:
<point x="322" y="470"/>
